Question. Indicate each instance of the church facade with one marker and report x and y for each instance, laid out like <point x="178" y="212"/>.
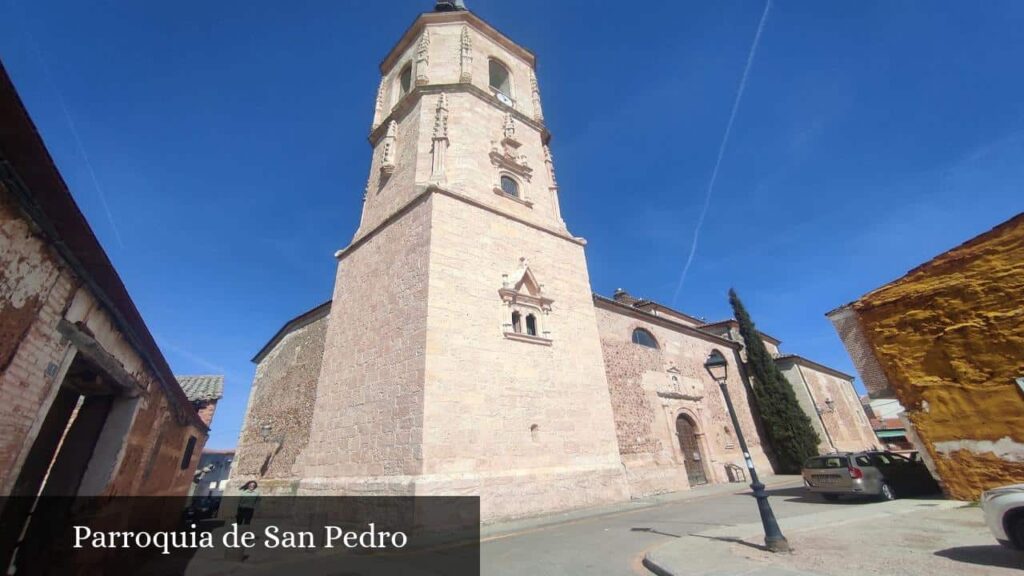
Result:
<point x="463" y="351"/>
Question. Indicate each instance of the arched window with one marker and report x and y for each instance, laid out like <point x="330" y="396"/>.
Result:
<point x="405" y="80"/>
<point x="644" y="338"/>
<point x="509" y="186"/>
<point x="517" y="322"/>
<point x="531" y="324"/>
<point x="500" y="78"/>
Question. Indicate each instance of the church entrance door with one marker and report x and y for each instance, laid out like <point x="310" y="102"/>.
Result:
<point x="687" y="432"/>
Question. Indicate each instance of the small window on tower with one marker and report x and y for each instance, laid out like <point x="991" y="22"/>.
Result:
<point x="517" y="324"/>
<point x="405" y="80"/>
<point x="509" y="186"/>
<point x="501" y="80"/>
<point x="531" y="324"/>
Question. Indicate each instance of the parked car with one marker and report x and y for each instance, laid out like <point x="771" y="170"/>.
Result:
<point x="202" y="509"/>
<point x="885" y="475"/>
<point x="1004" y="514"/>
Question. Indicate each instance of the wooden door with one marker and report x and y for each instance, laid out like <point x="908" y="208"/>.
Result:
<point x="687" y="433"/>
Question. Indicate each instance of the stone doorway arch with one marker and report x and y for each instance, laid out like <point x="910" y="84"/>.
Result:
<point x="686" y="431"/>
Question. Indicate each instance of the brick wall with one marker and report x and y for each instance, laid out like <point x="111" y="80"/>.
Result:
<point x="37" y="289"/>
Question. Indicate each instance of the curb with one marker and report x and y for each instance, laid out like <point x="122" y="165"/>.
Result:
<point x="793" y="524"/>
<point x="655" y="568"/>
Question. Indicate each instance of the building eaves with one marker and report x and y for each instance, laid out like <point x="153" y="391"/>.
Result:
<point x="466" y="16"/>
<point x="644" y="303"/>
<point x="28" y="170"/>
<point x="815" y="365"/>
<point x="663" y="321"/>
<point x="307" y="317"/>
<point x="733" y="322"/>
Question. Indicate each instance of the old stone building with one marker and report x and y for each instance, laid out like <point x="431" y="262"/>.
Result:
<point x="88" y="405"/>
<point x="947" y="341"/>
<point x="463" y="351"/>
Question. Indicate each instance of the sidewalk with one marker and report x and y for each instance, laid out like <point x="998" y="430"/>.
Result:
<point x="913" y="537"/>
<point x="503" y="529"/>
<point x="213" y="563"/>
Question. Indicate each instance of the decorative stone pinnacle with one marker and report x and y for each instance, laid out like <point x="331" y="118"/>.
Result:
<point x="423" y="59"/>
<point x="441" y="117"/>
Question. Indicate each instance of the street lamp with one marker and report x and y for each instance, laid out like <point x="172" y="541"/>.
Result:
<point x="718" y="368"/>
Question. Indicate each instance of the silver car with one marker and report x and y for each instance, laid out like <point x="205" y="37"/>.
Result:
<point x="1004" y="514"/>
<point x="885" y="475"/>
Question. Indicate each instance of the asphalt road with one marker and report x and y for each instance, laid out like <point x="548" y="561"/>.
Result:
<point x="614" y="543"/>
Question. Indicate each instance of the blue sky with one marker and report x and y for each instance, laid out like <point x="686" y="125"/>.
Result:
<point x="219" y="148"/>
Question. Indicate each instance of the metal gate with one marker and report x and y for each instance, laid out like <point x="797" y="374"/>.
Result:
<point x="687" y="433"/>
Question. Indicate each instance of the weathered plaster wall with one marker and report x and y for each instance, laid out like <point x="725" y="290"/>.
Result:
<point x="282" y="397"/>
<point x="141" y="448"/>
<point x="34" y="291"/>
<point x="846" y="422"/>
<point x="803" y="395"/>
<point x="645" y="403"/>
<point x="949" y="337"/>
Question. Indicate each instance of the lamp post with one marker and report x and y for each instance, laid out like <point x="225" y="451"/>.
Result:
<point x="718" y="367"/>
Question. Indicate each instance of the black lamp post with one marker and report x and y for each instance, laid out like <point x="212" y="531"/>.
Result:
<point x="718" y="367"/>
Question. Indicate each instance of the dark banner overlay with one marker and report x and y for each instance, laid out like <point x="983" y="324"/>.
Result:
<point x="149" y="536"/>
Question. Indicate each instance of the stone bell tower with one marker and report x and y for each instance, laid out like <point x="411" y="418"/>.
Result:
<point x="462" y="354"/>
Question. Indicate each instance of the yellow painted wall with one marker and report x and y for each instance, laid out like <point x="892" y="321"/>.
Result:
<point x="950" y="338"/>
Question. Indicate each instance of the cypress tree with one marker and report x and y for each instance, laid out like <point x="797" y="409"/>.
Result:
<point x="787" y="425"/>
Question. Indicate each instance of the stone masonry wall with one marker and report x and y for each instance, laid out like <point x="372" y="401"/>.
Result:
<point x="282" y="397"/>
<point x="527" y="424"/>
<point x="647" y="401"/>
<point x="368" y="414"/>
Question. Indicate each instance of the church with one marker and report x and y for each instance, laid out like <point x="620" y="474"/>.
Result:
<point x="463" y="351"/>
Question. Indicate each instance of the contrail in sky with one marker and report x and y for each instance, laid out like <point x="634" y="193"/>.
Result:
<point x="721" y="149"/>
<point x="71" y="124"/>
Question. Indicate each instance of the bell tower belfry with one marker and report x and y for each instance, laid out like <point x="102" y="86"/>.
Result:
<point x="462" y="354"/>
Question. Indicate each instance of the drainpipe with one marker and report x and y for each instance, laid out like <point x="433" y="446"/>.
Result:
<point x="817" y="412"/>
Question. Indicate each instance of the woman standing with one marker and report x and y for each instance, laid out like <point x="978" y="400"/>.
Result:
<point x="247" y="502"/>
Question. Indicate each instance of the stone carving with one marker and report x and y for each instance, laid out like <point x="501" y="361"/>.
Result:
<point x="423" y="59"/>
<point x="387" y="161"/>
<point x="522" y="293"/>
<point x="441" y="117"/>
<point x="549" y="161"/>
<point x="505" y="153"/>
<point x="509" y="127"/>
<point x="440" y="138"/>
<point x="465" y="56"/>
<point x="538" y="113"/>
<point x="378" y="108"/>
<point x="679" y="387"/>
